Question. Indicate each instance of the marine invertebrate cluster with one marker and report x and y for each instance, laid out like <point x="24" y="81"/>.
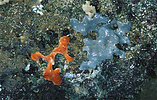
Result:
<point x="88" y="9"/>
<point x="49" y="73"/>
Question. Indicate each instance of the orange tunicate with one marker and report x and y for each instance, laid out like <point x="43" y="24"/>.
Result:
<point x="49" y="73"/>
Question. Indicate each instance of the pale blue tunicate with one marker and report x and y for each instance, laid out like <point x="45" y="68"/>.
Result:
<point x="104" y="46"/>
<point x="88" y="23"/>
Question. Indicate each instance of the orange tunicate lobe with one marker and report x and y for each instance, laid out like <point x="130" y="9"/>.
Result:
<point x="52" y="75"/>
<point x="49" y="73"/>
<point x="36" y="56"/>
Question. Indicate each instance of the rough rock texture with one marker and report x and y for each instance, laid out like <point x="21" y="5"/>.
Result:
<point x="113" y="79"/>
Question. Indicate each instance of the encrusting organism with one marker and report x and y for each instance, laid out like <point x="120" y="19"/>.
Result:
<point x="49" y="73"/>
<point x="109" y="34"/>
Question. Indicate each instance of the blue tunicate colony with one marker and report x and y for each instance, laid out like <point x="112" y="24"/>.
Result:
<point x="108" y="35"/>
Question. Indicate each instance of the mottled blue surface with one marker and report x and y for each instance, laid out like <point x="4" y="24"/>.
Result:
<point x="104" y="46"/>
